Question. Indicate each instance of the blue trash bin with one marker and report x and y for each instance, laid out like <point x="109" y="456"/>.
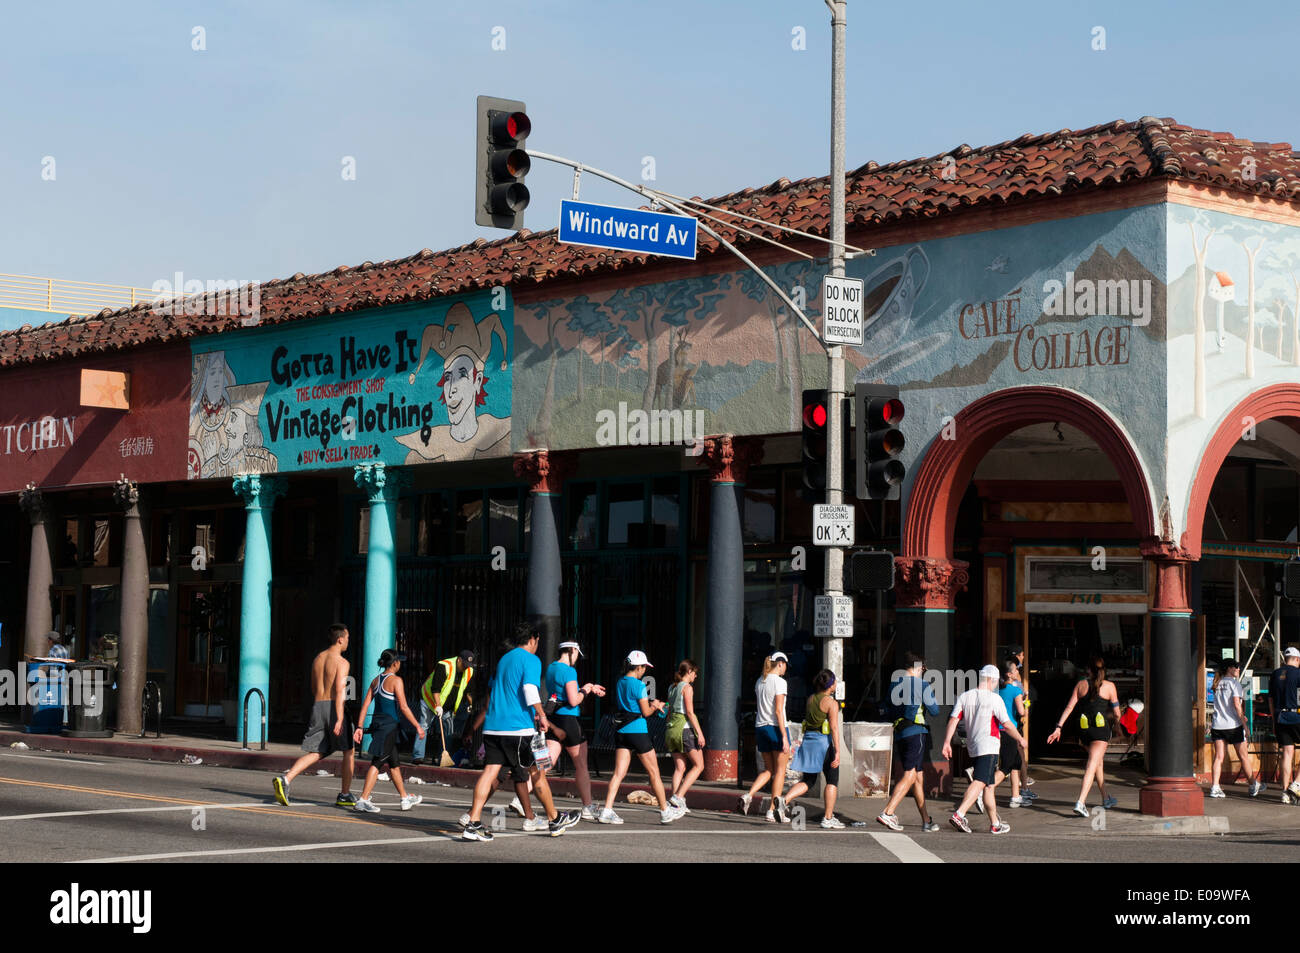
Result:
<point x="45" y="717"/>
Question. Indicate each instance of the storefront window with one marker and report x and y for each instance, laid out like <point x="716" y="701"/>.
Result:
<point x="100" y="544"/>
<point x="158" y="631"/>
<point x="68" y="545"/>
<point x="402" y="525"/>
<point x="760" y="513"/>
<point x="582" y="524"/>
<point x="1277" y="503"/>
<point x="626" y="514"/>
<point x="777" y="619"/>
<point x="469" y="523"/>
<point x="363" y="529"/>
<point x="665" y="511"/>
<point x="1229" y="511"/>
<point x="103" y="617"/>
<point x="433" y="525"/>
<point x="798" y="511"/>
<point x="503" y="519"/>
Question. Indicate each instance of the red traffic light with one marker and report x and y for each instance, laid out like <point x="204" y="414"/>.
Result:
<point x="509" y="128"/>
<point x="814" y="415"/>
<point x="892" y="412"/>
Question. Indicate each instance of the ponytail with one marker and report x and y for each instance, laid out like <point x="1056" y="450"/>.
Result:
<point x="1098" y="675"/>
<point x="768" y="665"/>
<point x="685" y="668"/>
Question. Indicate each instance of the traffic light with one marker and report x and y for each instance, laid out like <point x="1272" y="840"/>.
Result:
<point x="1291" y="580"/>
<point x="879" y="442"/>
<point x="816" y="416"/>
<point x="500" y="195"/>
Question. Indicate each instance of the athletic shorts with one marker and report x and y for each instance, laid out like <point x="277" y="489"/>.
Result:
<point x="320" y="736"/>
<point x="1010" y="755"/>
<point x="636" y="742"/>
<point x="911" y="750"/>
<point x="383" y="743"/>
<point x="1233" y="736"/>
<point x="1288" y="735"/>
<point x="569" y="725"/>
<point x="986" y="768"/>
<point x="769" y="738"/>
<point x="513" y="751"/>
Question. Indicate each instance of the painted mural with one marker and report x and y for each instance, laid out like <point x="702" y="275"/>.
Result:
<point x="1234" y="326"/>
<point x="408" y="385"/>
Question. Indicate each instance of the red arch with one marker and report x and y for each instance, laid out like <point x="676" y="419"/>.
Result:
<point x="1280" y="400"/>
<point x="948" y="465"/>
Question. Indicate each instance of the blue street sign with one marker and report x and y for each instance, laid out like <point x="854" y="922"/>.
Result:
<point x="627" y="229"/>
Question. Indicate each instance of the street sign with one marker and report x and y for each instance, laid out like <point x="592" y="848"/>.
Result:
<point x="833" y="617"/>
<point x="833" y="524"/>
<point x="842" y="311"/>
<point x="627" y="229"/>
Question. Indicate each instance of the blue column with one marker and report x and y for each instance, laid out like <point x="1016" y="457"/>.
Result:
<point x="545" y="471"/>
<point x="382" y="487"/>
<point x="259" y="494"/>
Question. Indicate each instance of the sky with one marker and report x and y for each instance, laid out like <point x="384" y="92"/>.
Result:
<point x="127" y="155"/>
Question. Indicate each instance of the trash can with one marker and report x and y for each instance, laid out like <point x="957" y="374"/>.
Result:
<point x="46" y="698"/>
<point x="90" y="696"/>
<point x="871" y="748"/>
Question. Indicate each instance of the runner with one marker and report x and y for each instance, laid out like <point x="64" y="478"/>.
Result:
<point x="910" y="698"/>
<point x="1100" y="702"/>
<point x="329" y="730"/>
<point x="820" y="749"/>
<point x="507" y="735"/>
<point x="1228" y="727"/>
<point x="443" y="696"/>
<point x="773" y="738"/>
<point x="562" y="688"/>
<point x="986" y="718"/>
<point x="1284" y="702"/>
<point x="684" y="739"/>
<point x="1011" y="763"/>
<point x="634" y="735"/>
<point x="389" y="696"/>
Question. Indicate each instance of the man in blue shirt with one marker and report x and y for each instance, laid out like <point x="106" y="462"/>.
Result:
<point x="514" y="704"/>
<point x="1284" y="700"/>
<point x="910" y="699"/>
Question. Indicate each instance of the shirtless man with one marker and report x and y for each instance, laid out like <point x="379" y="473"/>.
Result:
<point x="330" y="729"/>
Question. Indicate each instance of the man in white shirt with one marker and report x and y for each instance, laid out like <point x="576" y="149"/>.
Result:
<point x="986" y="721"/>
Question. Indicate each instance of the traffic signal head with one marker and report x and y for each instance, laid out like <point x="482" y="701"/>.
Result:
<point x="879" y="442"/>
<point x="500" y="195"/>
<point x="870" y="571"/>
<point x="816" y="414"/>
<point x="1291" y="580"/>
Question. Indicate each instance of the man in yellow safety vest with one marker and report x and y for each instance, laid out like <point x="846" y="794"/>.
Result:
<point x="442" y="696"/>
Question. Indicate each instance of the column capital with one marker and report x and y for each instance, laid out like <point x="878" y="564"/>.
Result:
<point x="1171" y="562"/>
<point x="729" y="457"/>
<point x="545" y="470"/>
<point x="259" y="491"/>
<point x="929" y="583"/>
<point x="381" y="483"/>
<point x="33" y="503"/>
<point x="126" y="494"/>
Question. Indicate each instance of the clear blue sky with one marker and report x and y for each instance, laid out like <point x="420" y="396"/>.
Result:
<point x="226" y="163"/>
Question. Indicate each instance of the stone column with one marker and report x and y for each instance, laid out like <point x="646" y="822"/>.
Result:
<point x="1171" y="789"/>
<point x="382" y="486"/>
<point x="40" y="575"/>
<point x="133" y="632"/>
<point x="924" y="594"/>
<point x="546" y="472"/>
<point x="259" y="494"/>
<point x="729" y="459"/>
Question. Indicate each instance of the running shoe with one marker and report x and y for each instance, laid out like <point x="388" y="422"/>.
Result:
<point x="771" y="818"/>
<point x="679" y="802"/>
<point x="464" y="819"/>
<point x="1110" y="802"/>
<point x="970" y="774"/>
<point x="1080" y="809"/>
<point x="832" y="824"/>
<point x="1002" y="828"/>
<point x="517" y="807"/>
<point x="781" y="812"/>
<point x="563" y="821"/>
<point x="607" y="816"/>
<point x="476" y="832"/>
<point x="1286" y="798"/>
<point x="745" y="801"/>
<point x="411" y="800"/>
<point x="346" y="799"/>
<point x="1028" y="795"/>
<point x="674" y="813"/>
<point x="365" y="806"/>
<point x="1256" y="787"/>
<point x="590" y="812"/>
<point x="959" y="822"/>
<point x="1017" y="801"/>
<point x="1294" y="788"/>
<point x="1216" y="791"/>
<point x="281" y="788"/>
<point x="890" y="821"/>
<point x="535" y="823"/>
<point x="930" y="827"/>
<point x="383" y="776"/>
<point x="1029" y="782"/>
<point x="979" y="803"/>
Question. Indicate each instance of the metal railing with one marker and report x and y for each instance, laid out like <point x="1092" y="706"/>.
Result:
<point x="261" y="700"/>
<point x="61" y="296"/>
<point x="151" y="687"/>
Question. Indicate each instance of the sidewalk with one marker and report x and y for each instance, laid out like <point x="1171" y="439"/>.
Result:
<point x="1056" y="784"/>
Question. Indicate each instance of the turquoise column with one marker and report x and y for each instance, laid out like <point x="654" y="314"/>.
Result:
<point x="382" y="487"/>
<point x="258" y="493"/>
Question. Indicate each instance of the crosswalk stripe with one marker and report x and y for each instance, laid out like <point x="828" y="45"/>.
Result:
<point x="906" y="849"/>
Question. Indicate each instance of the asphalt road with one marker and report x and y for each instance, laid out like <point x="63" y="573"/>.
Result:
<point x="59" y="807"/>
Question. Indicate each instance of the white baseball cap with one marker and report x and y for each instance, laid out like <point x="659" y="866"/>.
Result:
<point x="572" y="645"/>
<point x="990" y="671"/>
<point x="1292" y="652"/>
<point x="637" y="657"/>
<point x="779" y="657"/>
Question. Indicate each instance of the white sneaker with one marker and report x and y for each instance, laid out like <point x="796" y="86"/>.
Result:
<point x="607" y="816"/>
<point x="590" y="812"/>
<point x="464" y="819"/>
<point x="1017" y="801"/>
<point x="979" y="803"/>
<point x="679" y="802"/>
<point x="517" y="807"/>
<point x="364" y="806"/>
<point x="674" y="813"/>
<point x="1217" y="791"/>
<point x="745" y="801"/>
<point x="832" y="824"/>
<point x="970" y="774"/>
<point x="781" y="811"/>
<point x="771" y="818"/>
<point x="411" y="800"/>
<point x="383" y="777"/>
<point x="1294" y="788"/>
<point x="1081" y="809"/>
<point x="890" y="821"/>
<point x="535" y="823"/>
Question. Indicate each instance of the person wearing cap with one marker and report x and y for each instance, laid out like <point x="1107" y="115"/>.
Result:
<point x="1284" y="702"/>
<point x="389" y="695"/>
<point x="564" y="699"/>
<point x="1229" y="727"/>
<point x="986" y="719"/>
<point x="633" y="735"/>
<point x="441" y="696"/>
<point x="772" y="736"/>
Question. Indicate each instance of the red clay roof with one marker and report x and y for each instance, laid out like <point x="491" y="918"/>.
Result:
<point x="1105" y="156"/>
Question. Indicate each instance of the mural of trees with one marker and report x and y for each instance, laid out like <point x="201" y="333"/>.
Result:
<point x="589" y="320"/>
<point x="785" y="325"/>
<point x="552" y="313"/>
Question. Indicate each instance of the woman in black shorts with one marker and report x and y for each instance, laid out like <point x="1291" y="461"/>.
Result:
<point x="563" y="692"/>
<point x="1229" y="726"/>
<point x="1098" y="702"/>
<point x="820" y="749"/>
<point x="632" y="732"/>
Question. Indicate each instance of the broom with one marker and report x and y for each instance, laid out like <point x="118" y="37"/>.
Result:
<point x="446" y="761"/>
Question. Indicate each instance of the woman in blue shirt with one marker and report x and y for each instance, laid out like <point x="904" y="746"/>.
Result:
<point x="633" y="734"/>
<point x="389" y="696"/>
<point x="563" y="693"/>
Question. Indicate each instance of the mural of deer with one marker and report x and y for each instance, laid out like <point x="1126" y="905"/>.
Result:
<point x="676" y="369"/>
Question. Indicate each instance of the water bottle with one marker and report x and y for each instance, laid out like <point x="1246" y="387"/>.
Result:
<point x="541" y="753"/>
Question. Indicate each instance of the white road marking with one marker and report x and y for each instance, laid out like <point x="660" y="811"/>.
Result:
<point x="33" y="757"/>
<point x="424" y="838"/>
<point x="131" y="810"/>
<point x="906" y="849"/>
